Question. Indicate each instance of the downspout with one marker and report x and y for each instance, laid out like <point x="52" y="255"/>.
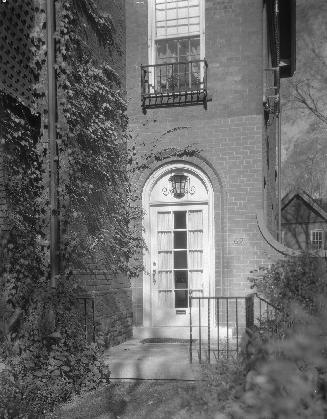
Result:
<point x="53" y="150"/>
<point x="279" y="168"/>
<point x="279" y="142"/>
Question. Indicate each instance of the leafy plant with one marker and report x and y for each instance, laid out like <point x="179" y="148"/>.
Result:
<point x="294" y="280"/>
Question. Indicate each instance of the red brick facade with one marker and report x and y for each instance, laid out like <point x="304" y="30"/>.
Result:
<point x="112" y="295"/>
<point x="231" y="134"/>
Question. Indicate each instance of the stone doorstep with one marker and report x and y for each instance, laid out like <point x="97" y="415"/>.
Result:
<point x="152" y="361"/>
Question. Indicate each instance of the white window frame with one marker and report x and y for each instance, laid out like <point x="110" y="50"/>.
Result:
<point x="152" y="31"/>
<point x="312" y="232"/>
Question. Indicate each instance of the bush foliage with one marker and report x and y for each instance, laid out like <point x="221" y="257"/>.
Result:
<point x="42" y="339"/>
<point x="295" y="280"/>
<point x="286" y="373"/>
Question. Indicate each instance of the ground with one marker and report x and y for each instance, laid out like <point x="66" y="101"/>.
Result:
<point x="148" y="399"/>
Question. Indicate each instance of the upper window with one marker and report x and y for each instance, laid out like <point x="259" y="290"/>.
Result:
<point x="176" y="54"/>
<point x="175" y="30"/>
<point x="176" y="18"/>
<point x="317" y="239"/>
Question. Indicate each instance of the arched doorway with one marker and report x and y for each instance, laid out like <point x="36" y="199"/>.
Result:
<point x="179" y="235"/>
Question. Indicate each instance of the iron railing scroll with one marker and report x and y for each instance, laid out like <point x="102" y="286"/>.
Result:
<point x="174" y="84"/>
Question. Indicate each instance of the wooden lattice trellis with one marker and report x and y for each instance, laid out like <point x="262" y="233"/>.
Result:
<point x="16" y="25"/>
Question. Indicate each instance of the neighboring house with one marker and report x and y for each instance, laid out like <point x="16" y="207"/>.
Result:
<point x="205" y="74"/>
<point x="304" y="222"/>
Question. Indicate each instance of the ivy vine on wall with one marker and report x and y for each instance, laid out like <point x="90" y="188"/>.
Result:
<point x="49" y="358"/>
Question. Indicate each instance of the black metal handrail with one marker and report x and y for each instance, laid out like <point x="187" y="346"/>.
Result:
<point x="235" y="314"/>
<point x="171" y="81"/>
<point x="227" y="312"/>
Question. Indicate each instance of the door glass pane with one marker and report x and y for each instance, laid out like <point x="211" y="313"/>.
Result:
<point x="179" y="219"/>
<point x="196" y="259"/>
<point x="195" y="240"/>
<point x="164" y="280"/>
<point x="164" y="240"/>
<point x="181" y="279"/>
<point x="180" y="240"/>
<point x="181" y="299"/>
<point x="180" y="259"/>
<point x="164" y="260"/>
<point x="164" y="221"/>
<point x="195" y="220"/>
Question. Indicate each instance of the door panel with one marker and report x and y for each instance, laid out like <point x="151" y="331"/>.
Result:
<point x="179" y="261"/>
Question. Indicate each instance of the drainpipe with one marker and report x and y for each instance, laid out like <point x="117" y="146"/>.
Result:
<point x="53" y="150"/>
<point x="279" y="126"/>
<point x="279" y="185"/>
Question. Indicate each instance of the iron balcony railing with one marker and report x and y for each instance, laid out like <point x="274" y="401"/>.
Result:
<point x="174" y="84"/>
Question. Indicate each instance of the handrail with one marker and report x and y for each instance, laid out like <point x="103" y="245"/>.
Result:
<point x="174" y="83"/>
<point x="176" y="62"/>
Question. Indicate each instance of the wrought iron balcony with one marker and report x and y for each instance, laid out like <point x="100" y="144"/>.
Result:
<point x="174" y="84"/>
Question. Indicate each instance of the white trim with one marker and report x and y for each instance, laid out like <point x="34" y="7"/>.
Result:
<point x="147" y="205"/>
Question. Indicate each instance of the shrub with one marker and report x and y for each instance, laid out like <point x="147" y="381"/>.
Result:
<point x="286" y="372"/>
<point x="287" y="377"/>
<point x="294" y="280"/>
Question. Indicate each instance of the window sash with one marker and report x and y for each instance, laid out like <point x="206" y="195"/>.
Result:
<point x="176" y="17"/>
<point x="317" y="239"/>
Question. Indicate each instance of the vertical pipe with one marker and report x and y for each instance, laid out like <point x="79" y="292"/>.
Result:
<point x="191" y="337"/>
<point x="93" y="318"/>
<point x="53" y="151"/>
<point x="236" y="313"/>
<point x="208" y="299"/>
<point x="85" y="319"/>
<point x="227" y="321"/>
<point x="218" y="321"/>
<point x="200" y="352"/>
<point x="279" y="186"/>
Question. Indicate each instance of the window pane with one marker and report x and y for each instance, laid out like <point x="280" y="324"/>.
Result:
<point x="164" y="280"/>
<point x="317" y="239"/>
<point x="184" y="49"/>
<point x="180" y="259"/>
<point x="181" y="281"/>
<point x="181" y="299"/>
<point x="179" y="219"/>
<point x="164" y="260"/>
<point x="164" y="240"/>
<point x="196" y="259"/>
<point x="174" y="17"/>
<point x="180" y="240"/>
<point x="172" y="49"/>
<point x="164" y="221"/>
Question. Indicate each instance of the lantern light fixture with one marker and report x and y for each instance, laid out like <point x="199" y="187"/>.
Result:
<point x="179" y="185"/>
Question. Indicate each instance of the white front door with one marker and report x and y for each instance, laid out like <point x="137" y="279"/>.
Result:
<point x="179" y="261"/>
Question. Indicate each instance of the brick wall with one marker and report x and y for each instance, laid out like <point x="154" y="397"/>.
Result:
<point x="112" y="295"/>
<point x="112" y="303"/>
<point x="229" y="134"/>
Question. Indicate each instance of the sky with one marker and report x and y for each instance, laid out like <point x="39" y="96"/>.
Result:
<point x="304" y="137"/>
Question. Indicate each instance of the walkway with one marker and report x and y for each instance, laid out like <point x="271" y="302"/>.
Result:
<point x="153" y="361"/>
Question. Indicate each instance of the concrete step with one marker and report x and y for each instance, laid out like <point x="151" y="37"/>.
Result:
<point x="151" y="361"/>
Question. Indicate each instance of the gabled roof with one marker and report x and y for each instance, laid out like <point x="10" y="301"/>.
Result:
<point x="288" y="198"/>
